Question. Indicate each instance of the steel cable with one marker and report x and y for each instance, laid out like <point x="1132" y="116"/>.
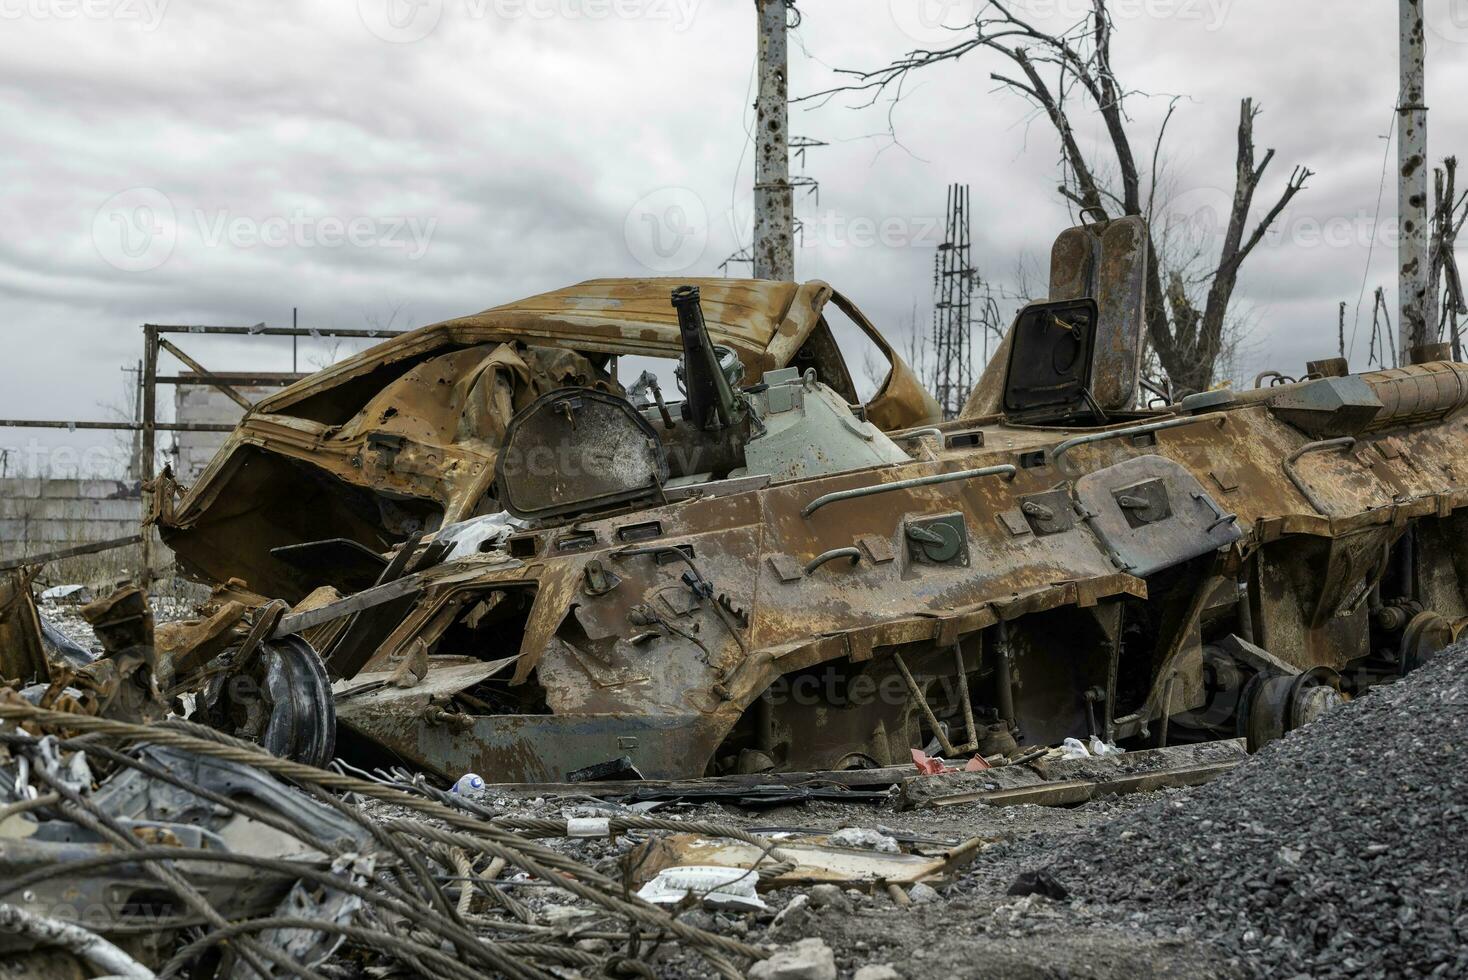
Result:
<point x="477" y="836"/>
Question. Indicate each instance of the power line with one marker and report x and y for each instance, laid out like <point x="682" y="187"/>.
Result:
<point x="1376" y="218"/>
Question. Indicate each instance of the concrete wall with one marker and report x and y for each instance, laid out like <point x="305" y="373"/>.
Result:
<point x="206" y="404"/>
<point x="46" y="514"/>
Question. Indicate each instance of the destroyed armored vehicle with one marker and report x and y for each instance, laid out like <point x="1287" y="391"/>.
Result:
<point x="761" y="576"/>
<point x="403" y="438"/>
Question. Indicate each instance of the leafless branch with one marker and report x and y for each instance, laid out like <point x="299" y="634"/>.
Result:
<point x="1156" y="152"/>
<point x="1072" y="71"/>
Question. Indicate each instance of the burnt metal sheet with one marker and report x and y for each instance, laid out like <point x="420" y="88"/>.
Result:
<point x="1178" y="519"/>
<point x="613" y="315"/>
<point x="575" y="449"/>
<point x="1121" y="292"/>
<point x="528" y="748"/>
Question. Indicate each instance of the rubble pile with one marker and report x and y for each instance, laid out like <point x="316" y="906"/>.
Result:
<point x="200" y="852"/>
<point x="1336" y="851"/>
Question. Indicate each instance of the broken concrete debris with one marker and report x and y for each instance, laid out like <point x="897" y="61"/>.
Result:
<point x="880" y="971"/>
<point x="809" y="959"/>
<point x="858" y="837"/>
<point x="922" y="894"/>
<point x="69" y="595"/>
<point x="480" y="610"/>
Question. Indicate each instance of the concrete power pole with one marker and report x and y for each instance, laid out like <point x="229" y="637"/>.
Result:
<point x="135" y="465"/>
<point x="774" y="199"/>
<point x="1415" y="299"/>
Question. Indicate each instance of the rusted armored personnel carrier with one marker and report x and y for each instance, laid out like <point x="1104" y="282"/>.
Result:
<point x="757" y="576"/>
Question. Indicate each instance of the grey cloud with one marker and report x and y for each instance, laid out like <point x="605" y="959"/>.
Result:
<point x="529" y="141"/>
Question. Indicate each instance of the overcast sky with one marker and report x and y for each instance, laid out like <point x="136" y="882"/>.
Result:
<point x="398" y="162"/>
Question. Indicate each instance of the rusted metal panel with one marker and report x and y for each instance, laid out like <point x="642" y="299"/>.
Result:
<point x="617" y="316"/>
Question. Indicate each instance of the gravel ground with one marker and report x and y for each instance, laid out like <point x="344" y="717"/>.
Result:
<point x="67" y="616"/>
<point x="1340" y="850"/>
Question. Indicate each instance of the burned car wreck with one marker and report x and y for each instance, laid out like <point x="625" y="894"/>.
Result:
<point x="512" y="564"/>
<point x="403" y="438"/>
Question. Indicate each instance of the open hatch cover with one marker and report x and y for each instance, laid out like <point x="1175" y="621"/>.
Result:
<point x="578" y="449"/>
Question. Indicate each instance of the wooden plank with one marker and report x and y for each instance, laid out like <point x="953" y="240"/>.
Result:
<point x="1066" y="793"/>
<point x="1146" y="782"/>
<point x="851" y="779"/>
<point x="1071" y="792"/>
<point x="815" y="861"/>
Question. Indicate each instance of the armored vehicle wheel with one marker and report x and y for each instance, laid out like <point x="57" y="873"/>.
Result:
<point x="283" y="701"/>
<point x="1427" y="634"/>
<point x="1273" y="706"/>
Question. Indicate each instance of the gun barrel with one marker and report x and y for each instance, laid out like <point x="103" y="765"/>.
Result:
<point x="710" y="399"/>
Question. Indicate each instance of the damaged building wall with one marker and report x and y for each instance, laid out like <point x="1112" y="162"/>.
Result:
<point x="42" y="514"/>
<point x="201" y="403"/>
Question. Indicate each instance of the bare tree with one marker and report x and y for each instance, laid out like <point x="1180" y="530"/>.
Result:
<point x="1448" y="214"/>
<point x="1064" y="73"/>
<point x="1383" y="348"/>
<point x="334" y="350"/>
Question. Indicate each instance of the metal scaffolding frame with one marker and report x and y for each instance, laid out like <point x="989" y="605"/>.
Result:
<point x="156" y="343"/>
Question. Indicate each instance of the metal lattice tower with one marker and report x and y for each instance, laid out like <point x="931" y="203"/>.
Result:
<point x="953" y="284"/>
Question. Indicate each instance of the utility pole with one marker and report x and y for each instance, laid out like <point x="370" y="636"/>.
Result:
<point x="774" y="205"/>
<point x="135" y="467"/>
<point x="1414" y="292"/>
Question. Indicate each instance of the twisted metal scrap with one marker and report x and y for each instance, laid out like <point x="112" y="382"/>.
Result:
<point x="415" y="899"/>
